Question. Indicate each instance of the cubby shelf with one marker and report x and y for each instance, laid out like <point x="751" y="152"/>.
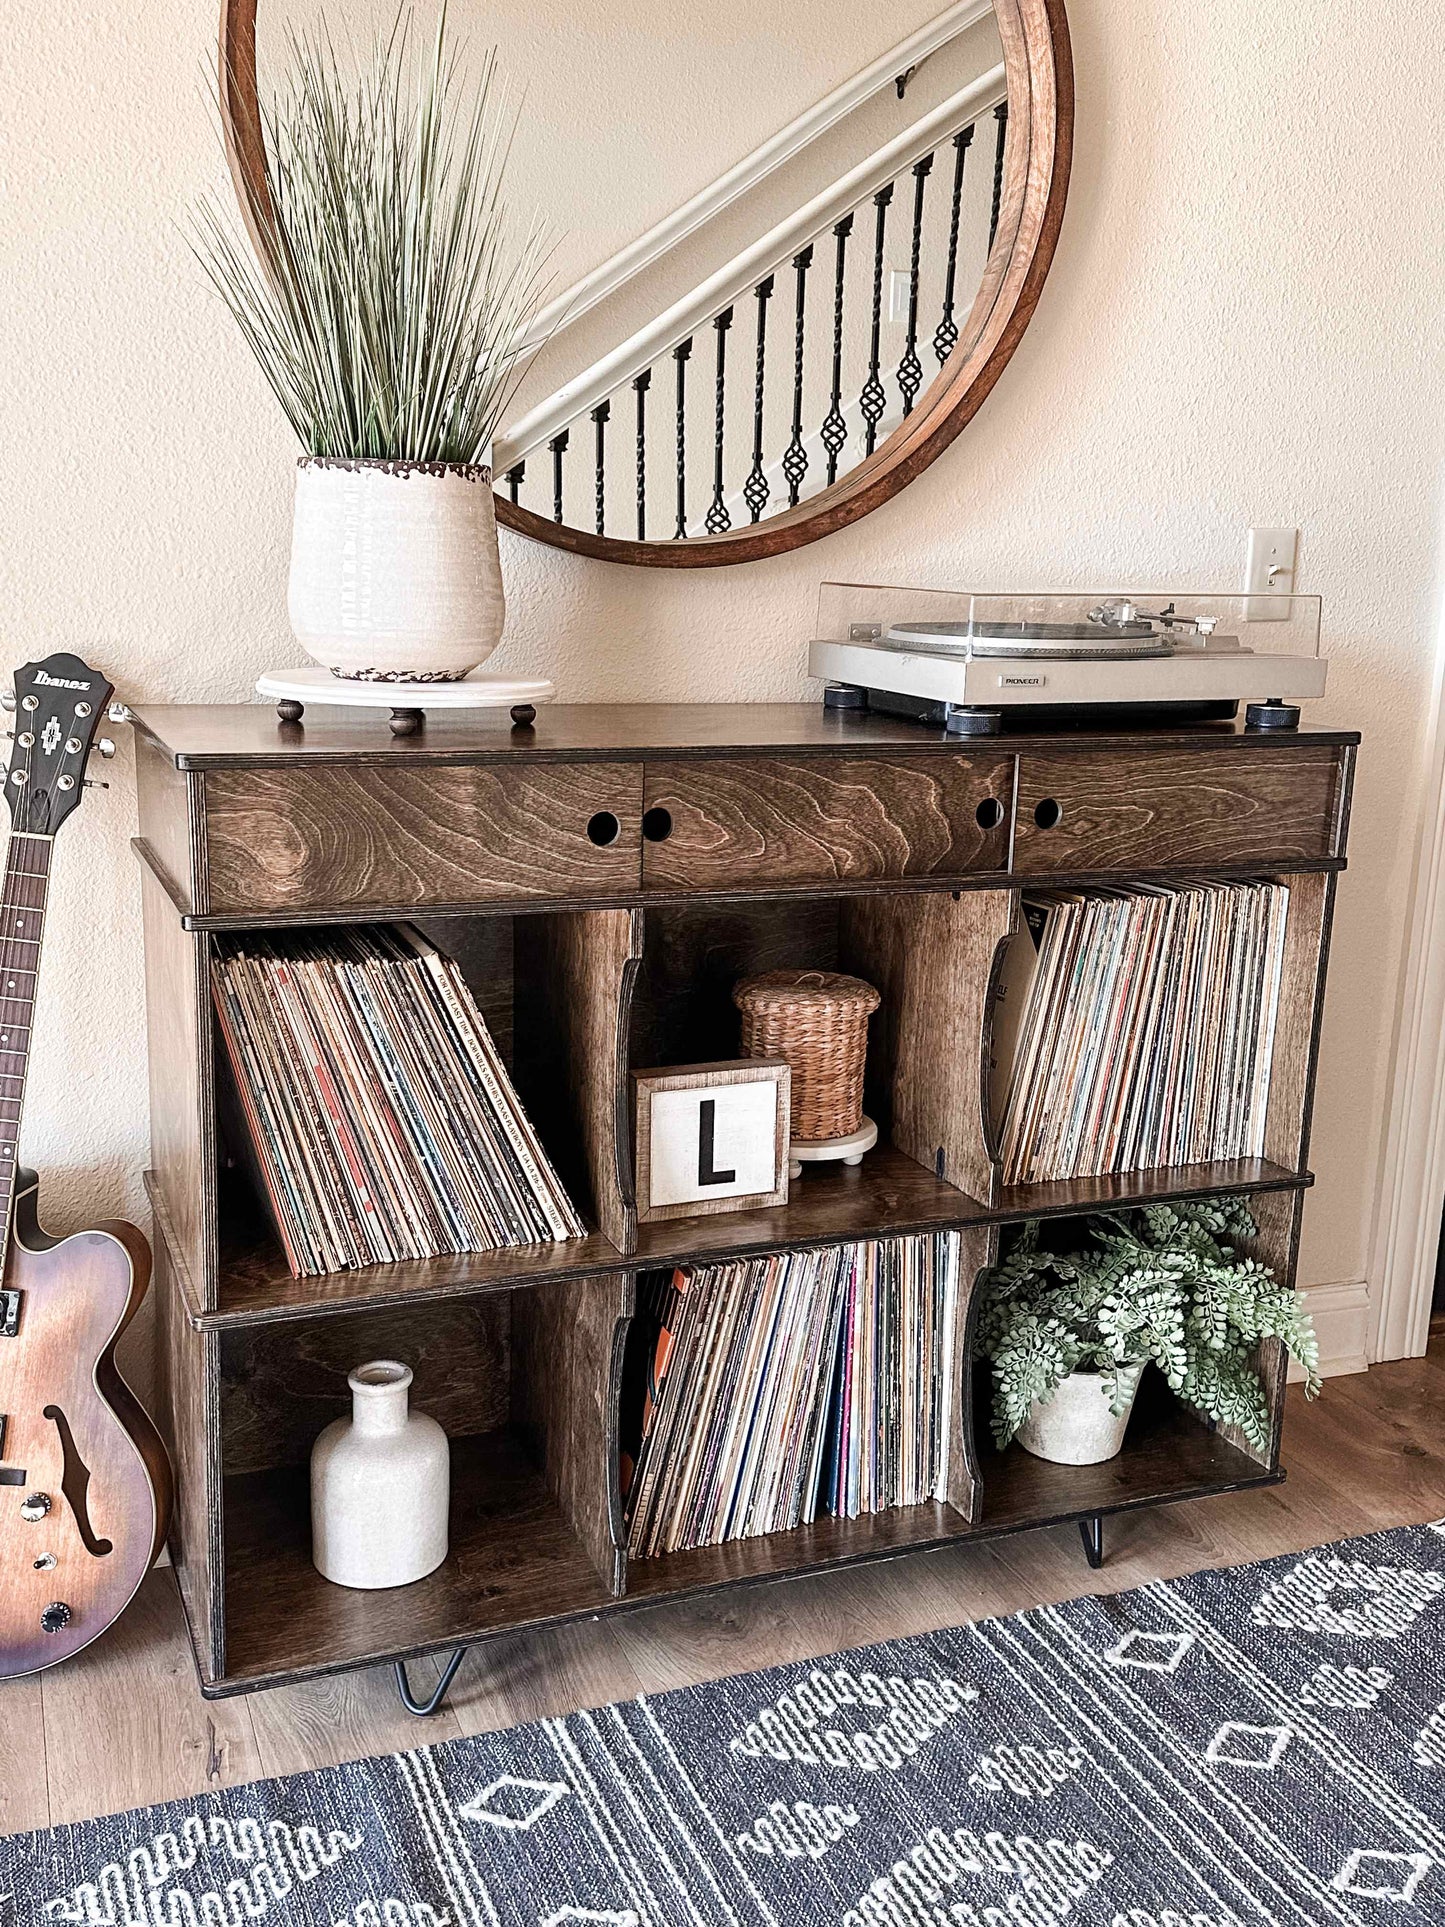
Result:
<point x="796" y="839"/>
<point x="514" y="1561"/>
<point x="1169" y="1454"/>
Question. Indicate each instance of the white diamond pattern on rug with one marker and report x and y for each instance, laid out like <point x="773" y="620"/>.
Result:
<point x="1260" y="1748"/>
<point x="1382" y="1876"/>
<point x="628" y="1917"/>
<point x="1429" y="1747"/>
<point x="1141" y="1917"/>
<point x="1348" y="1598"/>
<point x="797" y="1832"/>
<point x="142" y="1885"/>
<point x="394" y="1913"/>
<point x="1345" y="1687"/>
<point x="1151" y="1652"/>
<point x="516" y="1805"/>
<point x="806" y="1725"/>
<point x="1028" y="1772"/>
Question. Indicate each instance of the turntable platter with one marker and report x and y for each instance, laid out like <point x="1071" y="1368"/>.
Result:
<point x="1032" y="641"/>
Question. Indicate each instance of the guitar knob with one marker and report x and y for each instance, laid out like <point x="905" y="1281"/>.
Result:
<point x="56" y="1617"/>
<point x="34" y="1507"/>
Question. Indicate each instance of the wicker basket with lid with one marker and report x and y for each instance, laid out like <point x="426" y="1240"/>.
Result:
<point x="818" y="1021"/>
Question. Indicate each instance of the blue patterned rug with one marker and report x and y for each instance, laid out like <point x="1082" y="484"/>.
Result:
<point x="1260" y="1745"/>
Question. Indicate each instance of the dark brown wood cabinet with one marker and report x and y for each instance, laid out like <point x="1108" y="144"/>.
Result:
<point x="294" y="842"/>
<point x="1160" y="808"/>
<point x="603" y="878"/>
<point x="750" y="823"/>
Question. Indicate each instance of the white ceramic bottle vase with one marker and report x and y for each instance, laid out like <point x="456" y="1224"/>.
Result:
<point x="380" y="1486"/>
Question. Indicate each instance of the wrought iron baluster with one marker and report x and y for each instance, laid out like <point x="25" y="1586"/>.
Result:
<point x="717" y="520"/>
<point x="601" y="415"/>
<point x="515" y="476"/>
<point x="680" y="355"/>
<point x="755" y="488"/>
<point x="558" y="446"/>
<point x="910" y="369"/>
<point x="795" y="456"/>
<point x="872" y="402"/>
<point x="1000" y="114"/>
<point x="834" y="432"/>
<point x="945" y="338"/>
<point x="640" y="385"/>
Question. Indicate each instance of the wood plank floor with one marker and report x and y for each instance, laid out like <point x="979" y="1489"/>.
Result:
<point x="1370" y="1454"/>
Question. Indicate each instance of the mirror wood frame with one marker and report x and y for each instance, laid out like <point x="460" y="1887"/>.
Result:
<point x="1038" y="150"/>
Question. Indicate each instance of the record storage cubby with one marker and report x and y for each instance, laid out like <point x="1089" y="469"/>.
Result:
<point x="603" y="879"/>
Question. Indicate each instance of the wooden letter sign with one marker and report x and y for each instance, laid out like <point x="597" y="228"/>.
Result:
<point x="711" y="1137"/>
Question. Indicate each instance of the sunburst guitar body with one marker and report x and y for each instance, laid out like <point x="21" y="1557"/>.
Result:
<point x="85" y="1484"/>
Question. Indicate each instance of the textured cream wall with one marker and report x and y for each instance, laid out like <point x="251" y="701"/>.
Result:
<point x="1241" y="326"/>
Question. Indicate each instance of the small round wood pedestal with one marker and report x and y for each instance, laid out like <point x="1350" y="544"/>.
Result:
<point x="292" y="689"/>
<point x="850" y="1149"/>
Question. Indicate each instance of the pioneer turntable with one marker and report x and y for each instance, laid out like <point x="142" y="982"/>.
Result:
<point x="979" y="663"/>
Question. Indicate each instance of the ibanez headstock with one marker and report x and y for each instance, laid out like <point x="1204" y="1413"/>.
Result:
<point x="58" y="705"/>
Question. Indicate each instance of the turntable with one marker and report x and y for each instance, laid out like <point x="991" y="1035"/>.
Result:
<point x="980" y="663"/>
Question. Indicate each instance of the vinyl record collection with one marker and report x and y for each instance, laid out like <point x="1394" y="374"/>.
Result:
<point x="383" y="1122"/>
<point x="1135" y="1028"/>
<point x="769" y="1390"/>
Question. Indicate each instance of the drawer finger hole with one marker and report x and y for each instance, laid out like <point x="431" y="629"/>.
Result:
<point x="989" y="813"/>
<point x="657" y="824"/>
<point x="603" y="828"/>
<point x="1047" y="812"/>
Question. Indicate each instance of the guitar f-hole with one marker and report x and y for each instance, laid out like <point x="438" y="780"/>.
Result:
<point x="75" y="1484"/>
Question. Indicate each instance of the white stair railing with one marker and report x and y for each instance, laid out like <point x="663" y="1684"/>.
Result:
<point x="576" y="398"/>
<point x="775" y="152"/>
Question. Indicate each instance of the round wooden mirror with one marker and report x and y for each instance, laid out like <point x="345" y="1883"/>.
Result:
<point x="791" y="345"/>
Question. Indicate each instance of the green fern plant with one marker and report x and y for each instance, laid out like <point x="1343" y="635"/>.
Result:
<point x="1165" y="1284"/>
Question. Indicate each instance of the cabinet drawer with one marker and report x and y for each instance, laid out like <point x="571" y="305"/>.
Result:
<point x="353" y="837"/>
<point x="1148" y="809"/>
<point x="802" y="820"/>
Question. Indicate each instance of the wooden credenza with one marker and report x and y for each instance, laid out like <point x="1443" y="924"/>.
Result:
<point x="603" y="878"/>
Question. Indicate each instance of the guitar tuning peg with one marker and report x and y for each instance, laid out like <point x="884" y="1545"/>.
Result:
<point x="104" y="748"/>
<point x="7" y="699"/>
<point x="119" y="713"/>
<point x="93" y="783"/>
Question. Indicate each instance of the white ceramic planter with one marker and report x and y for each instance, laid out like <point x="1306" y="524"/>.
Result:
<point x="395" y="574"/>
<point x="1075" y="1426"/>
<point x="380" y="1486"/>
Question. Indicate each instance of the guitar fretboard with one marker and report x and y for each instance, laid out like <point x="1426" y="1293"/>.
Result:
<point x="22" y="924"/>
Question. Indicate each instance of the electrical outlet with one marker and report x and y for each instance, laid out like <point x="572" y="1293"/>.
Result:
<point x="1270" y="571"/>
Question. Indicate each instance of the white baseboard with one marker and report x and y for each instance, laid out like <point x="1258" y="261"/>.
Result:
<point x="1342" y="1324"/>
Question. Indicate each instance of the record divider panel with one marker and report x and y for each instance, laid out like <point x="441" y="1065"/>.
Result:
<point x="521" y="1354"/>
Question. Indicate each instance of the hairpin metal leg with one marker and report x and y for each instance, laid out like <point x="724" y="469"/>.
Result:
<point x="425" y="1708"/>
<point x="1091" y="1531"/>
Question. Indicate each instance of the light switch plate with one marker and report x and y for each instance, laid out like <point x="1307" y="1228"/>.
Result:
<point x="1270" y="570"/>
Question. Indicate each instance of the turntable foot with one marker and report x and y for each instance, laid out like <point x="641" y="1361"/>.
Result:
<point x="844" y="695"/>
<point x="973" y="722"/>
<point x="1273" y="714"/>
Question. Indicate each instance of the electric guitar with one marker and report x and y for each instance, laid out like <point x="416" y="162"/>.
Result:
<point x="85" y="1485"/>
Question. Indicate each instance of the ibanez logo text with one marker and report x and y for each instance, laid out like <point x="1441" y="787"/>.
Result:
<point x="59" y="682"/>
